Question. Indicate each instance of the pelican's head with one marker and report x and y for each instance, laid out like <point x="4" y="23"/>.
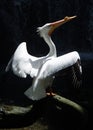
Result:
<point x="48" y="28"/>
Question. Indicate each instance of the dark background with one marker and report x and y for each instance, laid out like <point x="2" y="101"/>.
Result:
<point x="19" y="20"/>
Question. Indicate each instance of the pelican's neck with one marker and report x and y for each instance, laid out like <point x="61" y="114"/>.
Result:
<point x="52" y="47"/>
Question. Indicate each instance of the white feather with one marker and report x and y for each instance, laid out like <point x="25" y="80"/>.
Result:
<point x="41" y="69"/>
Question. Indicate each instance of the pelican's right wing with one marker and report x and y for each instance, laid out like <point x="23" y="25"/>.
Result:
<point x="23" y="64"/>
<point x="20" y="62"/>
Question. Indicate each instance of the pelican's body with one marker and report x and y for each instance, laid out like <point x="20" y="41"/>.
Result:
<point x="41" y="69"/>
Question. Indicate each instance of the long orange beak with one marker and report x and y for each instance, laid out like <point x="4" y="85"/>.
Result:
<point x="56" y="24"/>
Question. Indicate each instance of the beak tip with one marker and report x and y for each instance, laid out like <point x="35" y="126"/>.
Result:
<point x="67" y="18"/>
<point x="72" y="17"/>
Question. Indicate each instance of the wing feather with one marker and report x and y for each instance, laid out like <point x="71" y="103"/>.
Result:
<point x="23" y="64"/>
<point x="53" y="66"/>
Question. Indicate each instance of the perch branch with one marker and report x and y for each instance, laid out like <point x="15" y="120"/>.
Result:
<point x="62" y="100"/>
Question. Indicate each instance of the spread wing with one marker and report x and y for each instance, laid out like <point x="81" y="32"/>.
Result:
<point x="69" y="62"/>
<point x="58" y="65"/>
<point x="23" y="64"/>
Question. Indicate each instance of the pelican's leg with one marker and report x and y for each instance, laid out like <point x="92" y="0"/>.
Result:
<point x="50" y="90"/>
<point x="50" y="93"/>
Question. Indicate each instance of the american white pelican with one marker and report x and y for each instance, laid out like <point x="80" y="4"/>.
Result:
<point x="42" y="69"/>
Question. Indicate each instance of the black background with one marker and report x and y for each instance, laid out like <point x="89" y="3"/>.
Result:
<point x="19" y="20"/>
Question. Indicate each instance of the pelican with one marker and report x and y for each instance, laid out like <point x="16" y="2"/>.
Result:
<point x="42" y="69"/>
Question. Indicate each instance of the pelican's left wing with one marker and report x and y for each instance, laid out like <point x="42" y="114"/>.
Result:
<point x="56" y="65"/>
